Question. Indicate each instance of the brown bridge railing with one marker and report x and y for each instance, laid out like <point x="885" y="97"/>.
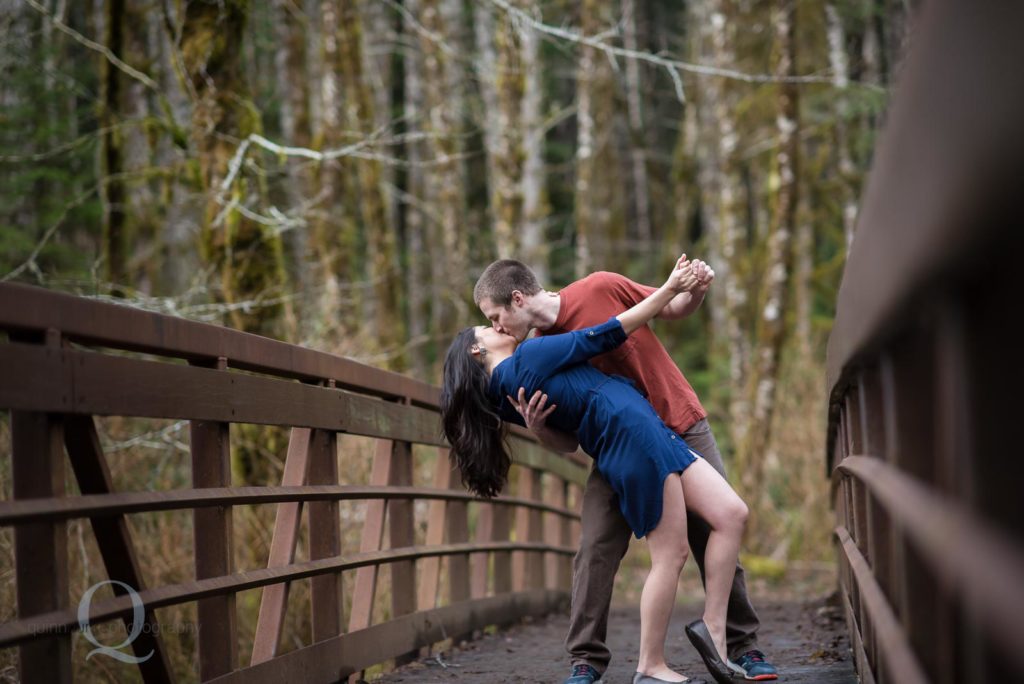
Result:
<point x="69" y="359"/>
<point x="924" y="371"/>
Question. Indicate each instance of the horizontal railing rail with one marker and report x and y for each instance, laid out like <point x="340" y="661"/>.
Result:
<point x="923" y="377"/>
<point x="68" y="361"/>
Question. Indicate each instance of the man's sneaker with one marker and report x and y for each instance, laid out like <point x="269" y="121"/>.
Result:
<point x="754" y="666"/>
<point x="583" y="674"/>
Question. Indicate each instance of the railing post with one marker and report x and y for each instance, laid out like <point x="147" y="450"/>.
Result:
<point x="528" y="566"/>
<point x="500" y="528"/>
<point x="457" y="523"/>
<point x="430" y="568"/>
<point x="40" y="549"/>
<point x="212" y="535"/>
<point x="324" y="536"/>
<point x="401" y="531"/>
<point x="480" y="562"/>
<point x="557" y="571"/>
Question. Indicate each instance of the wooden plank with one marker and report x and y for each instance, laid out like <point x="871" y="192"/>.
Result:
<point x="480" y="563"/>
<point x="955" y="371"/>
<point x="852" y="421"/>
<point x="114" y="540"/>
<point x="872" y="412"/>
<point x="372" y="538"/>
<point x="212" y="540"/>
<point x="430" y="568"/>
<point x="530" y="454"/>
<point x="324" y="536"/>
<point x="501" y="528"/>
<point x="554" y="494"/>
<point x="24" y="307"/>
<point x="401" y="533"/>
<point x="40" y="549"/>
<point x="856" y="645"/>
<point x="22" y="630"/>
<point x="348" y="654"/>
<point x="110" y="385"/>
<point x="49" y="509"/>
<point x="894" y="647"/>
<point x="457" y="524"/>
<point x="986" y="570"/>
<point x="274" y="600"/>
<point x="527" y="568"/>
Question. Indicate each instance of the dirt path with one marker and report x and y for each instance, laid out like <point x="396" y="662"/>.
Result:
<point x="806" y="640"/>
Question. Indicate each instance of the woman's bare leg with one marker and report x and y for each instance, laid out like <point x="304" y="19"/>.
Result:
<point x="669" y="549"/>
<point x="709" y="495"/>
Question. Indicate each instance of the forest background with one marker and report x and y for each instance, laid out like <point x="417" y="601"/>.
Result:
<point x="336" y="174"/>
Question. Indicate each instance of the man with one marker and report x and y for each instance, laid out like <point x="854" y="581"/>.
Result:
<point x="509" y="295"/>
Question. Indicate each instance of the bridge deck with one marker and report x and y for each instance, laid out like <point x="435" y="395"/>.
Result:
<point x="806" y="640"/>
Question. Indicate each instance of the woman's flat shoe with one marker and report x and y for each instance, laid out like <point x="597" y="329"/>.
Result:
<point x="701" y="639"/>
<point x="648" y="679"/>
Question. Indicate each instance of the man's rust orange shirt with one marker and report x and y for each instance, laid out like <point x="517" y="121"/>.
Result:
<point x="641" y="358"/>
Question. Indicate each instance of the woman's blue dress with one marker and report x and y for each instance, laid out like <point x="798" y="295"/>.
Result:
<point x="632" y="448"/>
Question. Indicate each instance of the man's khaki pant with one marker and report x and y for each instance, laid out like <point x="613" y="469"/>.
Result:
<point x="603" y="543"/>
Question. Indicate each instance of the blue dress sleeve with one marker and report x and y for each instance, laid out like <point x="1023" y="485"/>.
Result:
<point x="551" y="353"/>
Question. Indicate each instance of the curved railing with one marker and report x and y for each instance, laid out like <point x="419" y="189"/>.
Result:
<point x="925" y="376"/>
<point x="68" y="359"/>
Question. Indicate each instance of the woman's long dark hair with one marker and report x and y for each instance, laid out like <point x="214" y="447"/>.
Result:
<point x="469" y="421"/>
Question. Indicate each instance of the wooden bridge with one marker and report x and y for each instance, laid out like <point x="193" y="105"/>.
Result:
<point x="925" y="386"/>
<point x="66" y="362"/>
<point x="924" y="389"/>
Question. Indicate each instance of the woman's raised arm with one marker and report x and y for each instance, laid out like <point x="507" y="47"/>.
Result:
<point x="681" y="279"/>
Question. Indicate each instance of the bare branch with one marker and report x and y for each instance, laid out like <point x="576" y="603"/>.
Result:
<point x="93" y="45"/>
<point x="672" y="66"/>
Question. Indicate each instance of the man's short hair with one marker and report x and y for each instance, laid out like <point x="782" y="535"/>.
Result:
<point x="501" y="278"/>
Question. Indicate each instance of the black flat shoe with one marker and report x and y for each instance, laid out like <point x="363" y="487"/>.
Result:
<point x="648" y="679"/>
<point x="701" y="639"/>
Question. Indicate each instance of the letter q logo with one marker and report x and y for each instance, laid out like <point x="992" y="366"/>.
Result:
<point x="138" y="614"/>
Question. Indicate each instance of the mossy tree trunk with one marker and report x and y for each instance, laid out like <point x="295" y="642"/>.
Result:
<point x="444" y="185"/>
<point x="600" y="228"/>
<point x="387" y="324"/>
<point x="111" y="150"/>
<point x="772" y="328"/>
<point x="245" y="255"/>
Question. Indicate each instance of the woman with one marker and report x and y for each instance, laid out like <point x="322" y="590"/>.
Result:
<point x="654" y="472"/>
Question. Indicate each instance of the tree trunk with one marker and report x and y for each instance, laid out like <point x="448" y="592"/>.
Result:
<point x="290" y="66"/>
<point x="334" y="238"/>
<point x="444" y="185"/>
<point x="638" y="142"/>
<point x="418" y="281"/>
<point x="840" y="80"/>
<point x="501" y="84"/>
<point x="112" y="166"/>
<point x="179" y="261"/>
<point x="383" y="273"/>
<point x="534" y="245"/>
<point x="722" y="194"/>
<point x="245" y="254"/>
<point x="599" y="227"/>
<point x="771" y="325"/>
